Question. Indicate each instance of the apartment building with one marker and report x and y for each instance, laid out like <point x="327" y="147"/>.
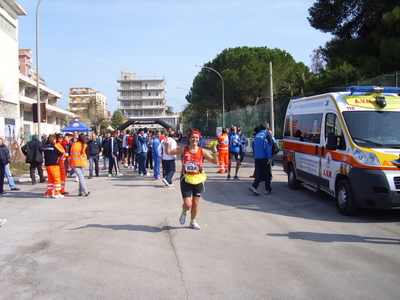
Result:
<point x="143" y="98"/>
<point x="9" y="109"/>
<point x="81" y="98"/>
<point x="53" y="118"/>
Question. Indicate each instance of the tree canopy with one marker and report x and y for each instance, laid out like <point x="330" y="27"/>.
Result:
<point x="365" y="34"/>
<point x="246" y="75"/>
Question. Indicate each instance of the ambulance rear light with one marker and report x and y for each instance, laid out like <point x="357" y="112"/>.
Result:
<point x="373" y="89"/>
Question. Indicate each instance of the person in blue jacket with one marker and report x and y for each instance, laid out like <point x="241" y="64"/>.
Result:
<point x="262" y="149"/>
<point x="234" y="150"/>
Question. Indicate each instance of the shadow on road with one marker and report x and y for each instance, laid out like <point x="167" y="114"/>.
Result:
<point x="130" y="227"/>
<point x="334" y="237"/>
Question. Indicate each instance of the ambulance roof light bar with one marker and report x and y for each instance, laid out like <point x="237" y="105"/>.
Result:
<point x="373" y="89"/>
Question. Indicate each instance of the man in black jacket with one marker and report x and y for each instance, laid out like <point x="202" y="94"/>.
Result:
<point x="4" y="160"/>
<point x="93" y="150"/>
<point x="33" y="151"/>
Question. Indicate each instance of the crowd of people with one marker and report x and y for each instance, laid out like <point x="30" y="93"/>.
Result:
<point x="143" y="150"/>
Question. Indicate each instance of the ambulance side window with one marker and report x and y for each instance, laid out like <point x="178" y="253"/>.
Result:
<point x="305" y="128"/>
<point x="333" y="127"/>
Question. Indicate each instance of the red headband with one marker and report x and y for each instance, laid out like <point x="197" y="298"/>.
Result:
<point x="194" y="132"/>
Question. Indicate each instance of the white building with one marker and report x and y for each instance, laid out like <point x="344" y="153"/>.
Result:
<point x="9" y="82"/>
<point x="143" y="98"/>
<point x="18" y="83"/>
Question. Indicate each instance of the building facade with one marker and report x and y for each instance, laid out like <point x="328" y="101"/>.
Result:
<point x="9" y="108"/>
<point x="143" y="98"/>
<point x="54" y="118"/>
<point x="82" y="98"/>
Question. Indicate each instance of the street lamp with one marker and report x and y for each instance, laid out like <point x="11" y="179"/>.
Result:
<point x="180" y="126"/>
<point x="178" y="87"/>
<point x="223" y="93"/>
<point x="37" y="68"/>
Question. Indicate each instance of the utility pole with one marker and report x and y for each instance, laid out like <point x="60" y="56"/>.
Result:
<point x="272" y="121"/>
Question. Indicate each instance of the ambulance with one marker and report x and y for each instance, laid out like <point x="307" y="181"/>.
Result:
<point x="346" y="144"/>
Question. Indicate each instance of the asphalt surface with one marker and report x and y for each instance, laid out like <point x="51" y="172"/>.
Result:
<point x="124" y="241"/>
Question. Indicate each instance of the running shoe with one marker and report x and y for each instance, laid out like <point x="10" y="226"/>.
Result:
<point x="182" y="218"/>
<point x="267" y="192"/>
<point x="126" y="166"/>
<point x="235" y="177"/>
<point x="254" y="191"/>
<point x="194" y="225"/>
<point x="120" y="174"/>
<point x="166" y="182"/>
<point x="109" y="175"/>
<point x="228" y="177"/>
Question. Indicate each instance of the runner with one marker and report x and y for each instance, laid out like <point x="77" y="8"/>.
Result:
<point x="193" y="176"/>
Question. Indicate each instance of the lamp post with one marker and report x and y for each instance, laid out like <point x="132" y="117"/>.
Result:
<point x="223" y="93"/>
<point x="180" y="125"/>
<point x="37" y="68"/>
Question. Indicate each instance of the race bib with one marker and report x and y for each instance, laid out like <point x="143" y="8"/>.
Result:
<point x="192" y="168"/>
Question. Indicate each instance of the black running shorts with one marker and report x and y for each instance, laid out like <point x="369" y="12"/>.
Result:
<point x="188" y="190"/>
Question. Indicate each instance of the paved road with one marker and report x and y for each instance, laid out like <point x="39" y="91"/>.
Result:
<point x="124" y="241"/>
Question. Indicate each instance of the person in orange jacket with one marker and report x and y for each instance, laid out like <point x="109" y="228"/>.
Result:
<point x="52" y="159"/>
<point x="61" y="146"/>
<point x="223" y="151"/>
<point x="78" y="159"/>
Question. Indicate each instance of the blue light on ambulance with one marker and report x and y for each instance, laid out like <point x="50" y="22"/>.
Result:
<point x="373" y="89"/>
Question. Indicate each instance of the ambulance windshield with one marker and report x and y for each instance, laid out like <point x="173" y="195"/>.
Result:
<point x="374" y="128"/>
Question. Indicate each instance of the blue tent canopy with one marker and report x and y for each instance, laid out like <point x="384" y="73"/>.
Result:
<point x="76" y="126"/>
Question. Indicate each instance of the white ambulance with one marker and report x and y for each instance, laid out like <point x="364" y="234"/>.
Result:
<point x="346" y="144"/>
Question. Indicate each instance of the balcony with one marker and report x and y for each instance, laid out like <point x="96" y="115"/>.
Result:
<point x="133" y="98"/>
<point x="134" y="107"/>
<point x="142" y="88"/>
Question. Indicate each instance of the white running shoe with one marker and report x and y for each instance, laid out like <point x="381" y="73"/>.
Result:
<point x="126" y="166"/>
<point x="194" y="225"/>
<point x="182" y="218"/>
<point x="120" y="174"/>
<point x="2" y="221"/>
<point x="254" y="191"/>
<point x="165" y="182"/>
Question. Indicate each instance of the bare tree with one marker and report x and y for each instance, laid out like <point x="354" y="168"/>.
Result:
<point x="94" y="114"/>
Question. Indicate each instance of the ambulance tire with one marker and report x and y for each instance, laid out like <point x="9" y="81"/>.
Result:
<point x="345" y="198"/>
<point x="293" y="182"/>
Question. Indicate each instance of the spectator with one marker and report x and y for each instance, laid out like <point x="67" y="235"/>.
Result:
<point x="262" y="149"/>
<point x="62" y="146"/>
<point x="52" y="157"/>
<point x="33" y="151"/>
<point x="234" y="150"/>
<point x="93" y="151"/>
<point x="78" y="160"/>
<point x="4" y="160"/>
<point x="169" y="166"/>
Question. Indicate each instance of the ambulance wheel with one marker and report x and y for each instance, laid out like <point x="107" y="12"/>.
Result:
<point x="344" y="197"/>
<point x="293" y="182"/>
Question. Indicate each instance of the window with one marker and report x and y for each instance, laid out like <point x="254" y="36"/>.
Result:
<point x="304" y="127"/>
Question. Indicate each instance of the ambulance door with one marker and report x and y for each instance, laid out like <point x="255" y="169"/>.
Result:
<point x="331" y="161"/>
<point x="307" y="154"/>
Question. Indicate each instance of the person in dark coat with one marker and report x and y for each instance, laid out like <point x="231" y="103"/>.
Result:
<point x="4" y="160"/>
<point x="33" y="151"/>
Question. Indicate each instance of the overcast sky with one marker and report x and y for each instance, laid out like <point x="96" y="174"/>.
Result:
<point x="86" y="43"/>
